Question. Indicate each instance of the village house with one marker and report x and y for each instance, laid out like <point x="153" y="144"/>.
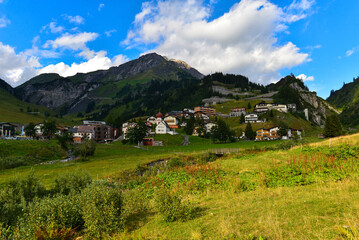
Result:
<point x="152" y="120"/>
<point x="201" y="115"/>
<point x="7" y="129"/>
<point x="125" y="127"/>
<point x="292" y="107"/>
<point x="237" y="112"/>
<point x="251" y="118"/>
<point x="163" y="128"/>
<point x="159" y="118"/>
<point x="172" y="121"/>
<point x="265" y="107"/>
<point x="209" y="111"/>
<point x="267" y="134"/>
<point x="83" y="132"/>
<point x="292" y="131"/>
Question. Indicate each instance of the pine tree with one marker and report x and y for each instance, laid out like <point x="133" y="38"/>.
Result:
<point x="332" y="127"/>
<point x="250" y="134"/>
<point x="242" y="119"/>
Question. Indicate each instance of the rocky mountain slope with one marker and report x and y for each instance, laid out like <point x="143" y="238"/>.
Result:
<point x="74" y="93"/>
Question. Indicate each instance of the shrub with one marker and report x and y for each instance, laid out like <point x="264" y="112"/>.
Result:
<point x="85" y="149"/>
<point x="66" y="183"/>
<point x="171" y="206"/>
<point x="101" y="210"/>
<point x="175" y="162"/>
<point x="53" y="214"/>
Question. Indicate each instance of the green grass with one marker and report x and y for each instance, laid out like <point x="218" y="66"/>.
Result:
<point x="226" y="107"/>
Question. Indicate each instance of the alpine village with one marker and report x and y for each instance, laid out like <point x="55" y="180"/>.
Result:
<point x="152" y="148"/>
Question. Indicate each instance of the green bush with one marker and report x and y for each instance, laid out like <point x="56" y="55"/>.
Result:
<point x="47" y="214"/>
<point x="66" y="183"/>
<point x="175" y="162"/>
<point x="86" y="149"/>
<point x="171" y="206"/>
<point x="101" y="210"/>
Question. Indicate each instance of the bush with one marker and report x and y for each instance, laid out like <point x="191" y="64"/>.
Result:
<point x="101" y="210"/>
<point x="53" y="214"/>
<point x="85" y="149"/>
<point x="175" y="162"/>
<point x="171" y="206"/>
<point x="75" y="182"/>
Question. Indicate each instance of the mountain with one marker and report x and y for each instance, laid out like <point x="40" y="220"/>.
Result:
<point x="76" y="92"/>
<point x="5" y="86"/>
<point x="292" y="90"/>
<point x="347" y="99"/>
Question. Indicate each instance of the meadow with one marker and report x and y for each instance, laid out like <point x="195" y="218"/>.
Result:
<point x="264" y="191"/>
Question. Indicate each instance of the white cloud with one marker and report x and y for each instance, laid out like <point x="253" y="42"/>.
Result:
<point x="100" y="6"/>
<point x="242" y="41"/>
<point x="52" y="26"/>
<point x="109" y="33"/>
<point x="4" y="22"/>
<point x="98" y="61"/>
<point x="305" y="78"/>
<point x="75" y="19"/>
<point x="72" y="41"/>
<point x="352" y="51"/>
<point x="16" y="67"/>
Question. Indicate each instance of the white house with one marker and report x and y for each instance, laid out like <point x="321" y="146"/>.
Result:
<point x="251" y="118"/>
<point x="163" y="128"/>
<point x="84" y="131"/>
<point x="125" y="127"/>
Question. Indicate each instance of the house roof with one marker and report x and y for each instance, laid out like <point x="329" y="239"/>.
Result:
<point x="159" y="115"/>
<point x="85" y="129"/>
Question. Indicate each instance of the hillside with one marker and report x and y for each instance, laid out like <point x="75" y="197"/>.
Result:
<point x="347" y="99"/>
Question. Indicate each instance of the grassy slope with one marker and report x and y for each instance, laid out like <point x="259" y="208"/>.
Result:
<point x="112" y="158"/>
<point x="10" y="110"/>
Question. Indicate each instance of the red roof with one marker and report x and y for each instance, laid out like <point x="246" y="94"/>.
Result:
<point x="159" y="115"/>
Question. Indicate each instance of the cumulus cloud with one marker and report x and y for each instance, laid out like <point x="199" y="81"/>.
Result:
<point x="97" y="62"/>
<point x="100" y="6"/>
<point x="242" y="41"/>
<point x="4" y="22"/>
<point x="72" y="41"/>
<point x="75" y="19"/>
<point x="305" y="78"/>
<point x="16" y="67"/>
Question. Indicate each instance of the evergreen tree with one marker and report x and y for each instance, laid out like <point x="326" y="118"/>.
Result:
<point x="249" y="106"/>
<point x="49" y="128"/>
<point x="222" y="132"/>
<point x="332" y="127"/>
<point x="137" y="133"/>
<point x="242" y="119"/>
<point x="30" y="130"/>
<point x="250" y="134"/>
<point x="188" y="129"/>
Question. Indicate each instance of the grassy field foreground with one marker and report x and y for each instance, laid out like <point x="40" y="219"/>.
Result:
<point x="303" y="193"/>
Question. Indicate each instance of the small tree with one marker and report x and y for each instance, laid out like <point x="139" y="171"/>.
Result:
<point x="188" y="129"/>
<point x="49" y="128"/>
<point x="86" y="148"/>
<point x="64" y="139"/>
<point x="249" y="106"/>
<point x="242" y="119"/>
<point x="30" y="130"/>
<point x="250" y="134"/>
<point x="221" y="132"/>
<point x="332" y="127"/>
<point x="137" y="133"/>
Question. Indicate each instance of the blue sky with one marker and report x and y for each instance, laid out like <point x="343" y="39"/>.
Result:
<point x="262" y="39"/>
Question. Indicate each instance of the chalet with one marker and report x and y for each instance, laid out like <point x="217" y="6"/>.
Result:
<point x="200" y="114"/>
<point x="237" y="112"/>
<point x="152" y="120"/>
<point x="84" y="132"/>
<point x="177" y="114"/>
<point x="162" y="128"/>
<point x="7" y="129"/>
<point x="292" y="107"/>
<point x="291" y="133"/>
<point x="209" y="111"/>
<point x="267" y="134"/>
<point x="262" y="134"/>
<point x="251" y="118"/>
<point x="103" y="132"/>
<point x="172" y="121"/>
<point x="265" y="107"/>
